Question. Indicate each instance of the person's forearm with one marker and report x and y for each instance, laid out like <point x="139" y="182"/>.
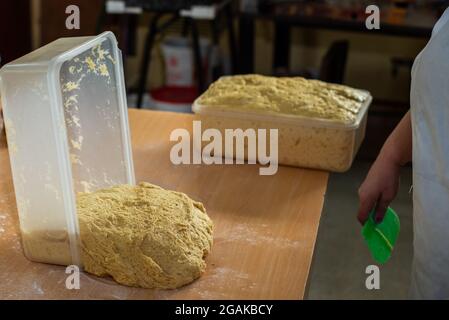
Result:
<point x="398" y="147"/>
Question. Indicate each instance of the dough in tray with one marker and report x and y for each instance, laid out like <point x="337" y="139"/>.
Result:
<point x="285" y="95"/>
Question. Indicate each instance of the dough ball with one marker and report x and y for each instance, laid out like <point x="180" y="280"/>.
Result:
<point x="144" y="236"/>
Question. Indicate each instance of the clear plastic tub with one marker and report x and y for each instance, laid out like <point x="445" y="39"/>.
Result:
<point x="67" y="130"/>
<point x="302" y="141"/>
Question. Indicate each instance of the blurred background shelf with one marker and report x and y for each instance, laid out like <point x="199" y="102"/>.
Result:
<point x="326" y="40"/>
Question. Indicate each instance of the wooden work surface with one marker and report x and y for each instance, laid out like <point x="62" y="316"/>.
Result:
<point x="265" y="226"/>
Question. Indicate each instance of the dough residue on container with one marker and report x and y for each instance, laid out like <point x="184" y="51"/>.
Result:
<point x="285" y="95"/>
<point x="144" y="235"/>
<point x="76" y="74"/>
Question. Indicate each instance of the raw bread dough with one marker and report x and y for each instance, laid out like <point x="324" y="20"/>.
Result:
<point x="144" y="235"/>
<point x="285" y="95"/>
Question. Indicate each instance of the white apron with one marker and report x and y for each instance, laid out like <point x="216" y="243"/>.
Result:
<point x="429" y="98"/>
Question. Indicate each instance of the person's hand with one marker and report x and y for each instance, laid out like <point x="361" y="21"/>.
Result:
<point x="379" y="189"/>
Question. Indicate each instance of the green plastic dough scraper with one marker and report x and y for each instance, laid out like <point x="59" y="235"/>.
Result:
<point x="381" y="237"/>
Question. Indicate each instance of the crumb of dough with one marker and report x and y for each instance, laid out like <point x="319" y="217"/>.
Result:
<point x="71" y="85"/>
<point x="74" y="159"/>
<point x="103" y="70"/>
<point x="142" y="236"/>
<point x="77" y="144"/>
<point x="285" y="95"/>
<point x="90" y="64"/>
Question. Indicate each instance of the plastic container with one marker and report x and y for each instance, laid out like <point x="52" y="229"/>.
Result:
<point x="67" y="129"/>
<point x="302" y="141"/>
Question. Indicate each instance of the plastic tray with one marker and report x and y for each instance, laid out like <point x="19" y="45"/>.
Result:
<point x="302" y="141"/>
<point x="67" y="129"/>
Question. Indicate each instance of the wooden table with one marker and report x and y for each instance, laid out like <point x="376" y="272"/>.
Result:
<point x="265" y="226"/>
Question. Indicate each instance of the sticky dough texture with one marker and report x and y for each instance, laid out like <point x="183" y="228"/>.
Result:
<point x="144" y="235"/>
<point x="285" y="95"/>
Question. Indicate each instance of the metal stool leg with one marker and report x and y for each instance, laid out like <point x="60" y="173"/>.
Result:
<point x="231" y="37"/>
<point x="101" y="18"/>
<point x="281" y="47"/>
<point x="217" y="70"/>
<point x="185" y="28"/>
<point x="151" y="35"/>
<point x="197" y="55"/>
<point x="246" y="44"/>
